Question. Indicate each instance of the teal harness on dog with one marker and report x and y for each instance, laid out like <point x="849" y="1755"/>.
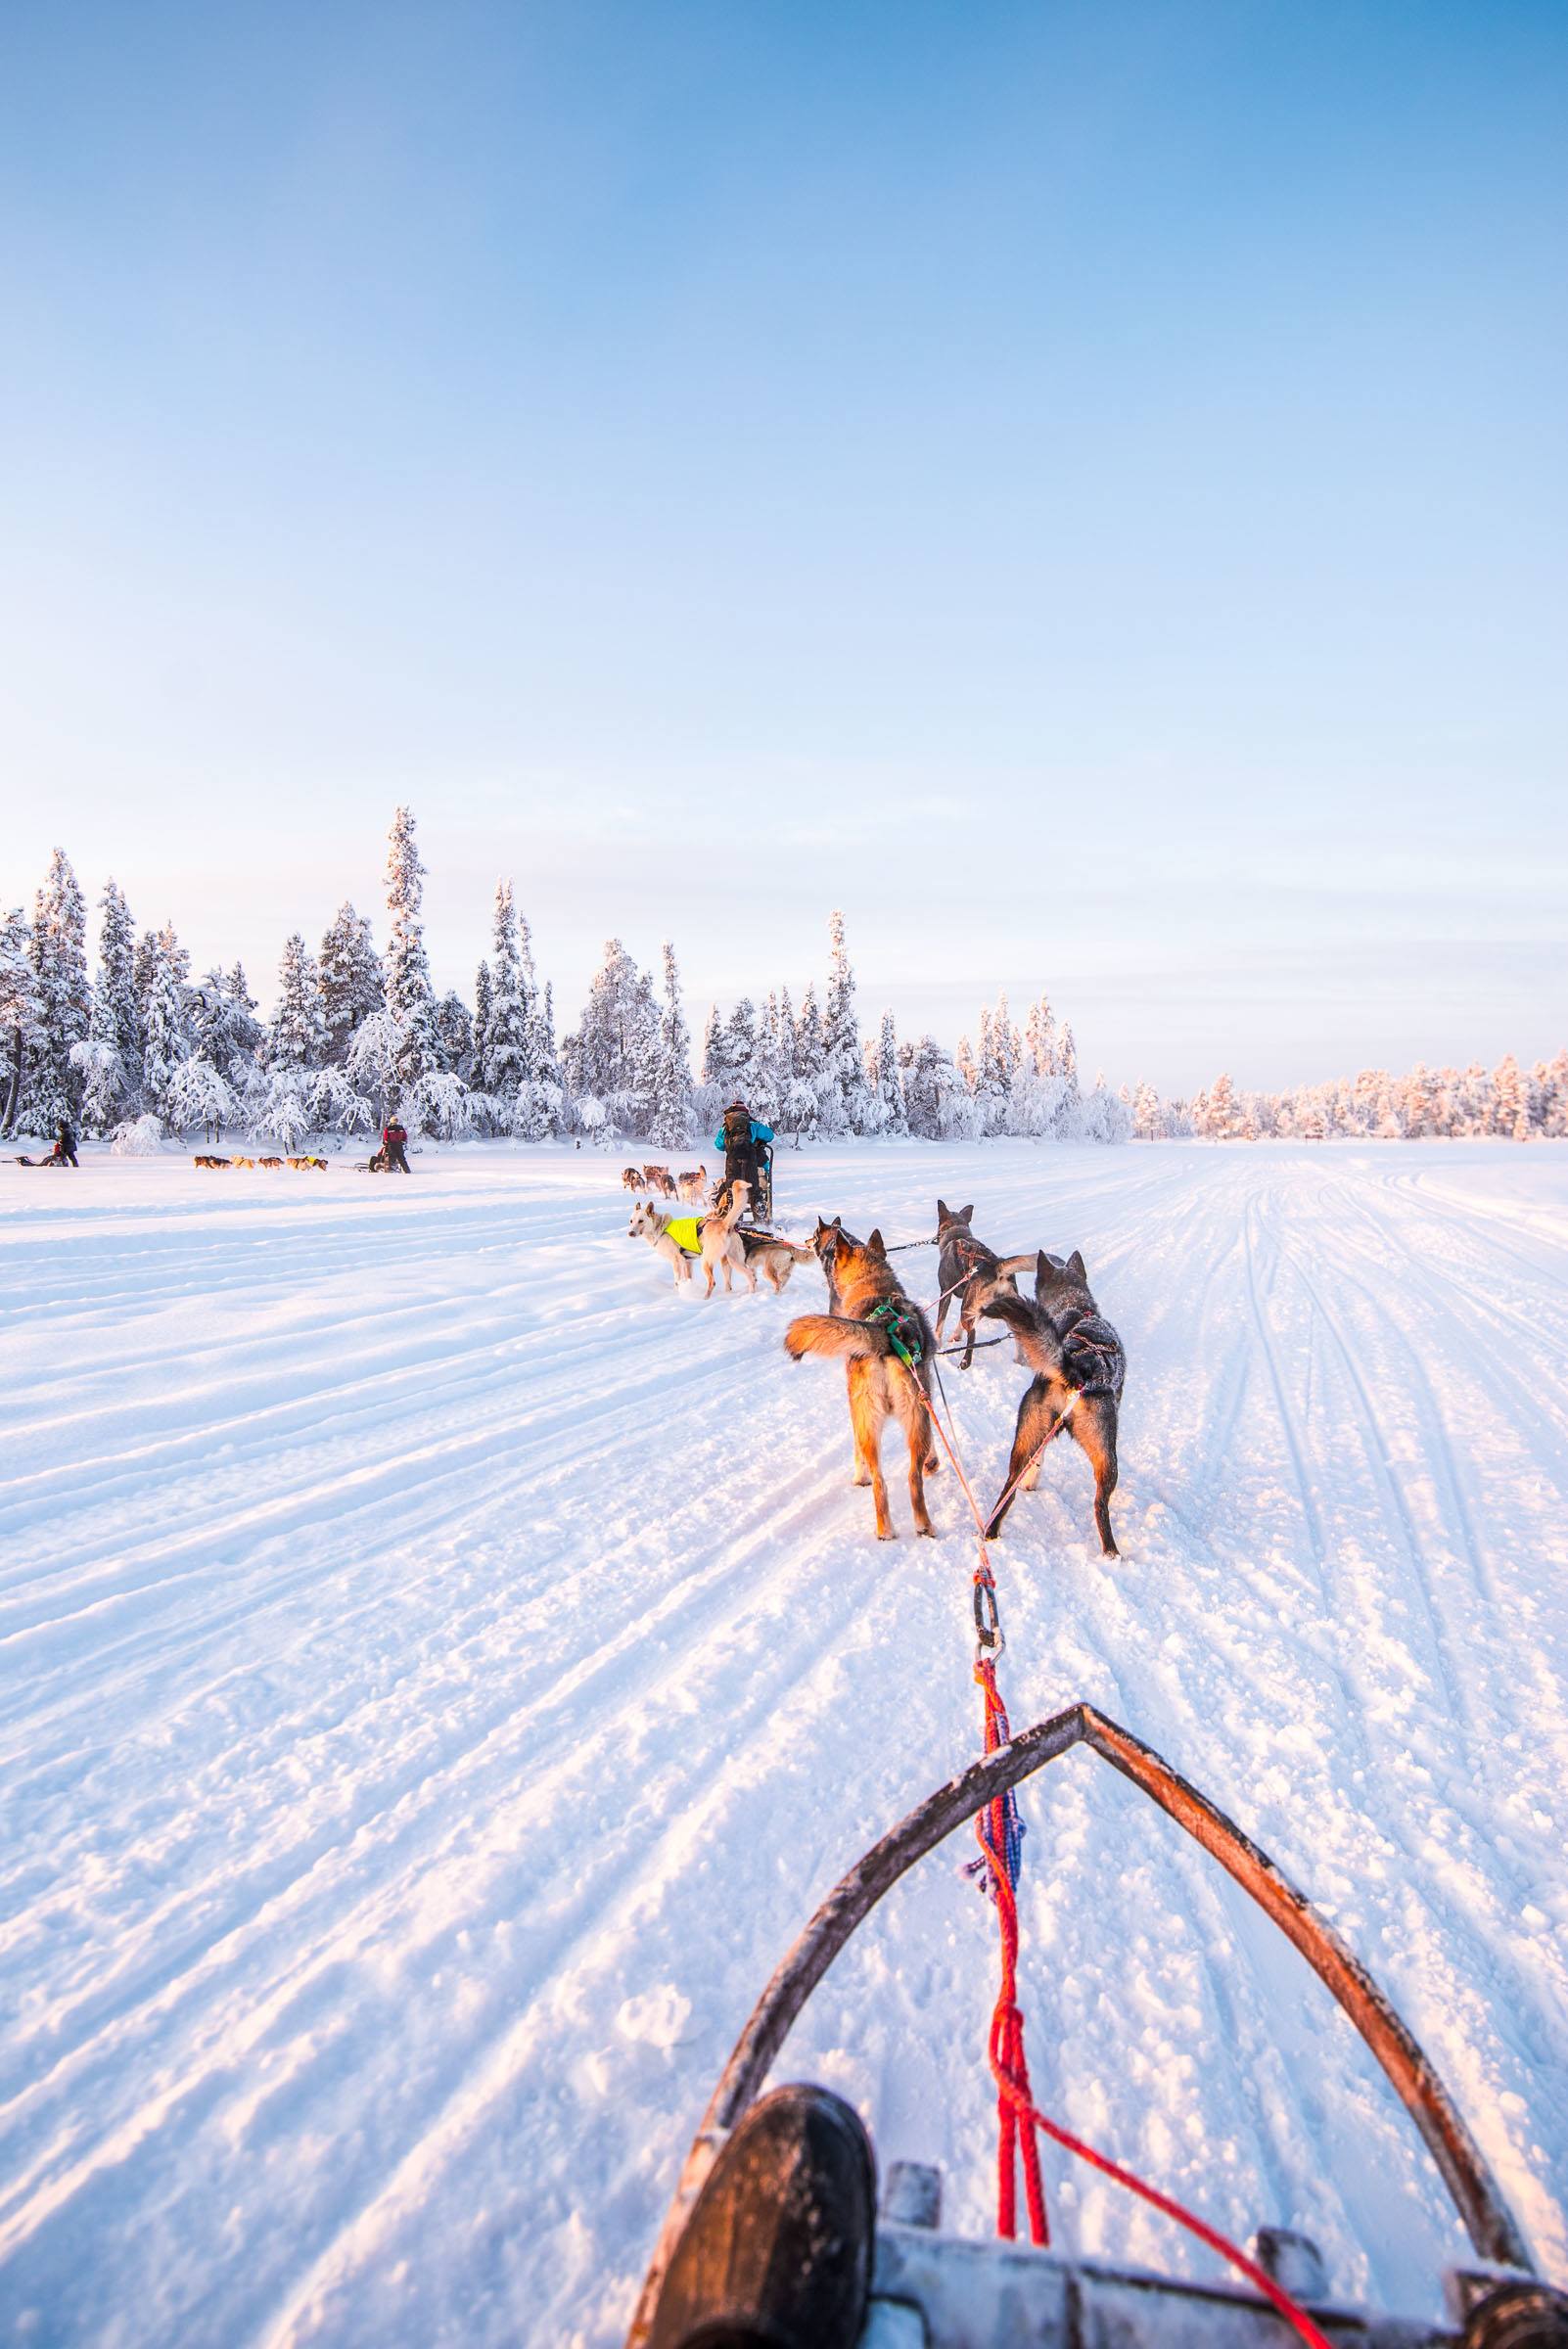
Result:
<point x="903" y="1332"/>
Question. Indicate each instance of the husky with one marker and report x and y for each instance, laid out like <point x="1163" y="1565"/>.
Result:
<point x="300" y="1164"/>
<point x="660" y="1179"/>
<point x="242" y="1162"/>
<point x="632" y="1179"/>
<point x="691" y="1187"/>
<point x="1079" y="1365"/>
<point x="648" y="1224"/>
<point x="204" y="1158"/>
<point x="721" y="1243"/>
<point x="269" y="1162"/>
<point x="884" y="1341"/>
<point x="770" y="1254"/>
<point x="824" y="1246"/>
<point x="966" y="1268"/>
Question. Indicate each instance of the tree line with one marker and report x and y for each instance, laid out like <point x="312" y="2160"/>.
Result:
<point x="149" y="1049"/>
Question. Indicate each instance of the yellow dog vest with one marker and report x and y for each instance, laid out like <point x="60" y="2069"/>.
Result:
<point x="682" y="1230"/>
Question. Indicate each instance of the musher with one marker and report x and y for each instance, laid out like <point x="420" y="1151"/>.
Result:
<point x="394" y="1146"/>
<point x="744" y="1140"/>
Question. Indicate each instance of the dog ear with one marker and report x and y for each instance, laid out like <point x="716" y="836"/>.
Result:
<point x="1042" y="1273"/>
<point x="875" y="1247"/>
<point x="944" y="1211"/>
<point x="1074" y="1265"/>
<point x="966" y="1215"/>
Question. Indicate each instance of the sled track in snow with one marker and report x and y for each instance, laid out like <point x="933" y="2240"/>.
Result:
<point x="445" y="1666"/>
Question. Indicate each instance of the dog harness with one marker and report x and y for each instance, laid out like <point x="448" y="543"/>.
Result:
<point x="903" y="1331"/>
<point x="682" y="1230"/>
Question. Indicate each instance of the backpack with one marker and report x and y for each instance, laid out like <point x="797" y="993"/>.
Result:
<point x="737" y="1130"/>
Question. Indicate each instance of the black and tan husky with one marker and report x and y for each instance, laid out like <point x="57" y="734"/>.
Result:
<point x="885" y="1342"/>
<point x="966" y="1268"/>
<point x="1079" y="1365"/>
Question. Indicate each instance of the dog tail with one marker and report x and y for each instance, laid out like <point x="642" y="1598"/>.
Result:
<point x="1038" y="1341"/>
<point x="833" y="1334"/>
<point x="1015" y="1263"/>
<point x="1088" y="1352"/>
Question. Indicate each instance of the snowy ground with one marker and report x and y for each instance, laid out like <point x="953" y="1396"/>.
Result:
<point x="441" y="1668"/>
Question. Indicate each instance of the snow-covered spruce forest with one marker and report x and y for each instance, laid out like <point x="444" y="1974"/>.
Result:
<point x="148" y="1050"/>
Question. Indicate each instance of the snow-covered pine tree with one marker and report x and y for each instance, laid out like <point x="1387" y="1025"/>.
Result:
<point x="246" y="1033"/>
<point x="1510" y="1099"/>
<point x="297" y="1034"/>
<point x="110" y="1060"/>
<point x="892" y="1117"/>
<point x="1145" y="1112"/>
<point x="455" y="1028"/>
<point x="842" y="1034"/>
<point x="117" y="1015"/>
<point x="167" y="1023"/>
<point x="740" y="1050"/>
<point x="53" y="1083"/>
<point x="670" y="1126"/>
<point x="810" y="1044"/>
<point x="769" y="1063"/>
<point x="22" y="1024"/>
<point x="717" y="1068"/>
<point x="410" y="998"/>
<point x="481" y="1026"/>
<point x="1220" y="1118"/>
<point x="504" y="1045"/>
<point x="1040" y="1038"/>
<point x="539" y="1027"/>
<point x="353" y="984"/>
<point x="940" y="1105"/>
<point x="1067" y="1062"/>
<point x="613" y="1054"/>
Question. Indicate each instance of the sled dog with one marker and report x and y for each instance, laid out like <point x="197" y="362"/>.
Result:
<point x="825" y="1245"/>
<point x="885" y="1342"/>
<point x="692" y="1186"/>
<point x="1079" y="1365"/>
<point x="775" y="1258"/>
<point x="968" y="1272"/>
<point x="298" y="1163"/>
<point x="721" y="1242"/>
<point x="204" y="1158"/>
<point x="632" y="1179"/>
<point x="242" y="1162"/>
<point x="269" y="1162"/>
<point x="660" y="1179"/>
<point x="648" y="1224"/>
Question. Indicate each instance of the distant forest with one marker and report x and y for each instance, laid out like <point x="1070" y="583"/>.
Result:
<point x="147" y="1050"/>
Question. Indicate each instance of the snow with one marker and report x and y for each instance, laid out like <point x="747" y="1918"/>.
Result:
<point x="444" y="1665"/>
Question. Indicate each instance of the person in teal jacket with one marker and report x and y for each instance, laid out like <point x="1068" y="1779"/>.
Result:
<point x="744" y="1140"/>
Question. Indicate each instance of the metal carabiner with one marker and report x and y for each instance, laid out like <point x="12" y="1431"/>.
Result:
<point x="987" y="1623"/>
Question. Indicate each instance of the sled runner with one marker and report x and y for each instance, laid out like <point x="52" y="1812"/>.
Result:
<point x="930" y="2290"/>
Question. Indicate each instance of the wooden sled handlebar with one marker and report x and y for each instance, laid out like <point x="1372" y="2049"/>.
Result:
<point x="1474" y="2191"/>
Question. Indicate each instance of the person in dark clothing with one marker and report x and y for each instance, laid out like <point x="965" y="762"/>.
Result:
<point x="65" y="1145"/>
<point x="394" y="1146"/>
<point x="744" y="1140"/>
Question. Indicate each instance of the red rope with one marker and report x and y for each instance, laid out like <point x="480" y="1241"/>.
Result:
<point x="1008" y="2060"/>
<point x="1018" y="2117"/>
<point x="1031" y="2117"/>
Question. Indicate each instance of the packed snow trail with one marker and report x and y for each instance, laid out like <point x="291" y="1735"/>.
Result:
<point x="443" y="1666"/>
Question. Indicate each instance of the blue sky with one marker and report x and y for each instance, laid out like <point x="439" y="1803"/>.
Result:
<point x="1080" y="487"/>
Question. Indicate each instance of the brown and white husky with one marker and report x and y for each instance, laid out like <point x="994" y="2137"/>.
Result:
<point x="885" y="1342"/>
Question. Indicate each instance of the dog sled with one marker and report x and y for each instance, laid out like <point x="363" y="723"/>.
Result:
<point x="922" y="2289"/>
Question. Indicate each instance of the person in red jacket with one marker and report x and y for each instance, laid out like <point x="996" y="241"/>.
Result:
<point x="394" y="1145"/>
